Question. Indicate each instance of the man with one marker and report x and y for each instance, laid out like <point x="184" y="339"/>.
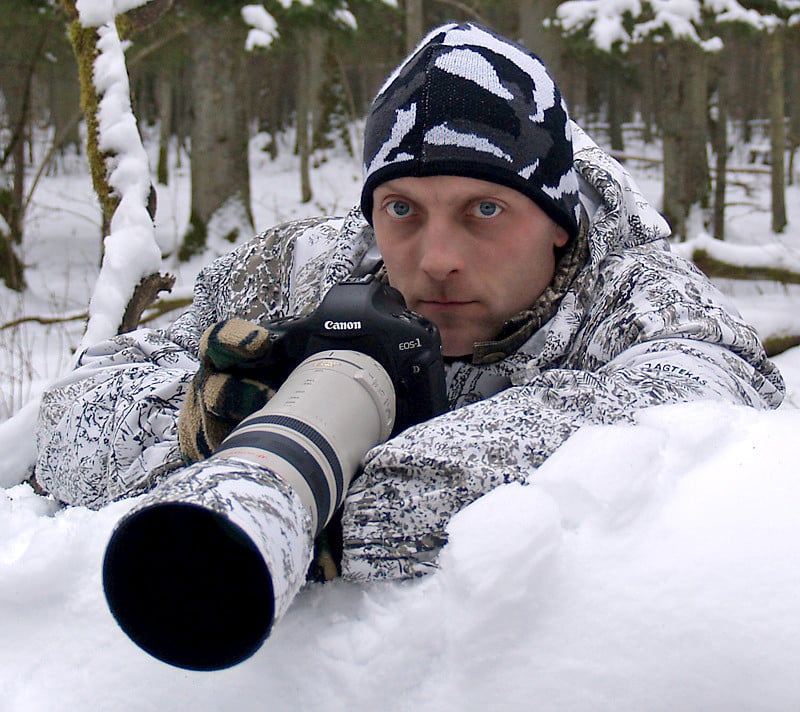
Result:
<point x="546" y="271"/>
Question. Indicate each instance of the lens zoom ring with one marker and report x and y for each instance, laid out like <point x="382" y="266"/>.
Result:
<point x="315" y="437"/>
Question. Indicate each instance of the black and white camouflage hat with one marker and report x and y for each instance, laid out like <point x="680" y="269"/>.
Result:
<point x="468" y="102"/>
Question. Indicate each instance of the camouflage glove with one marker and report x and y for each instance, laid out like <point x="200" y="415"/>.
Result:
<point x="220" y="396"/>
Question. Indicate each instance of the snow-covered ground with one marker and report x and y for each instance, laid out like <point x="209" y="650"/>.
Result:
<point x="650" y="567"/>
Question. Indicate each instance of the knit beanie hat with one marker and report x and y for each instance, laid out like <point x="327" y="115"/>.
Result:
<point x="468" y="102"/>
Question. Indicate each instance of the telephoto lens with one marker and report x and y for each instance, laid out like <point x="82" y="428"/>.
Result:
<point x="199" y="571"/>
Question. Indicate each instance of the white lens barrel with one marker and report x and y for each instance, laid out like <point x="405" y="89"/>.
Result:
<point x="313" y="432"/>
<point x="197" y="573"/>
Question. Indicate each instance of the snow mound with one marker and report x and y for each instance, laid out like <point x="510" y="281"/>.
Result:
<point x="646" y="567"/>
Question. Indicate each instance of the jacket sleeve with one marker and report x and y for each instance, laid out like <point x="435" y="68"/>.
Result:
<point x="653" y="332"/>
<point x="109" y="428"/>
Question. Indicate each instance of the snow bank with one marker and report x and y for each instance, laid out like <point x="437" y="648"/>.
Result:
<point x="647" y="567"/>
<point x="754" y="256"/>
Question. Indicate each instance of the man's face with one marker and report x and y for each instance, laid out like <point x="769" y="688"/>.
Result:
<point x="465" y="253"/>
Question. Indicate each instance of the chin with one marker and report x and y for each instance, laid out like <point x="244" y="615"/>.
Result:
<point x="460" y="342"/>
<point x="457" y="350"/>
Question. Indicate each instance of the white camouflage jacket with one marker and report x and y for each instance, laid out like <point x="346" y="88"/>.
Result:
<point x="626" y="324"/>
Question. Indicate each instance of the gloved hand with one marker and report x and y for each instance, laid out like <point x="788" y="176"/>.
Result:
<point x="219" y="396"/>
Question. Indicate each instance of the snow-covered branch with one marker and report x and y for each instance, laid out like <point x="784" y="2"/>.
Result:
<point x="617" y="24"/>
<point x="264" y="27"/>
<point x="131" y="251"/>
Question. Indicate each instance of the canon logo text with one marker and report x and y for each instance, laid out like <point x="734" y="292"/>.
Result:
<point x="342" y="325"/>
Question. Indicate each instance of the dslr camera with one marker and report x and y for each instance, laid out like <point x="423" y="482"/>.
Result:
<point x="199" y="570"/>
<point x="363" y="314"/>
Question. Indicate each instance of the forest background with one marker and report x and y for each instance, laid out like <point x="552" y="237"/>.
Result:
<point x="693" y="80"/>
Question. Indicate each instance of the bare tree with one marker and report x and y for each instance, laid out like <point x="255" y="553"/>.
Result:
<point x="684" y="122"/>
<point x="414" y="22"/>
<point x="220" y="172"/>
<point x="25" y="29"/>
<point x="777" y="128"/>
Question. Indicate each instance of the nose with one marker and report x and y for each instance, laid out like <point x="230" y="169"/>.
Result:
<point x="442" y="249"/>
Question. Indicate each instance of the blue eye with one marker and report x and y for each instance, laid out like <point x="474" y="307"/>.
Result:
<point x="488" y="209"/>
<point x="398" y="208"/>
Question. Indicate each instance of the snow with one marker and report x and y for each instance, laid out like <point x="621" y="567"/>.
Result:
<point x="345" y="18"/>
<point x="647" y="566"/>
<point x="94" y="13"/>
<point x="681" y="18"/>
<point x="776" y="255"/>
<point x="264" y="28"/>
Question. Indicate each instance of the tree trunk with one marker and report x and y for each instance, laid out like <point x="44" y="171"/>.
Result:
<point x="543" y="41"/>
<point x="415" y="23"/>
<point x="720" y="116"/>
<point x="303" y="131"/>
<point x="14" y="217"/>
<point x="683" y="72"/>
<point x="615" y="113"/>
<point x="777" y="129"/>
<point x="793" y="95"/>
<point x="64" y="101"/>
<point x="719" y="137"/>
<point x="648" y="91"/>
<point x="220" y="173"/>
<point x="11" y="268"/>
<point x="164" y="97"/>
<point x="312" y="50"/>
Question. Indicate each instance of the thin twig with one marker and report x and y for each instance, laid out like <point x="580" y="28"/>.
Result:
<point x="58" y="141"/>
<point x="43" y="320"/>
<point x="164" y="306"/>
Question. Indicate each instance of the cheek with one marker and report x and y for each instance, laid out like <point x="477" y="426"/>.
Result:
<point x="395" y="266"/>
<point x="526" y="273"/>
<point x="398" y="255"/>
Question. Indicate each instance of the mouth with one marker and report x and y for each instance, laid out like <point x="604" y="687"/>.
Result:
<point x="443" y="308"/>
<point x="445" y="303"/>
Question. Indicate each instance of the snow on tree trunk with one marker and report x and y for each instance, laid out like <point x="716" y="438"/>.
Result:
<point x="131" y="255"/>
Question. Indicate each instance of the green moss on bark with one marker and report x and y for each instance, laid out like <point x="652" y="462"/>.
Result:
<point x="84" y="45"/>
<point x="724" y="270"/>
<point x="195" y="238"/>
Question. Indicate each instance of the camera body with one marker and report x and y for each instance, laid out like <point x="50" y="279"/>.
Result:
<point x="363" y="314"/>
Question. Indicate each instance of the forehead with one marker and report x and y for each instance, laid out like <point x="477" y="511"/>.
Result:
<point x="448" y="189"/>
